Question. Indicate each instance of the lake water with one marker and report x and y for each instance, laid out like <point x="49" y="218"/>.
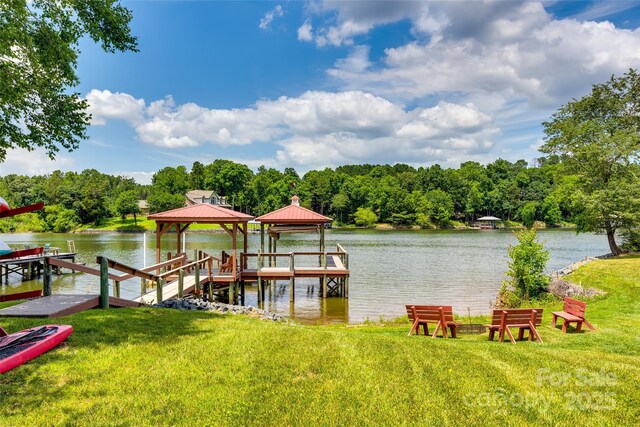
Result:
<point x="388" y="268"/>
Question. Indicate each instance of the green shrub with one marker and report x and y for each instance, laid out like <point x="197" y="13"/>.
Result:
<point x="528" y="214"/>
<point x="526" y="269"/>
<point x="631" y="239"/>
<point x="365" y="217"/>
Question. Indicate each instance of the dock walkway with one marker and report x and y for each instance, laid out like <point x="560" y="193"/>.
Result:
<point x="170" y="290"/>
<point x="61" y="305"/>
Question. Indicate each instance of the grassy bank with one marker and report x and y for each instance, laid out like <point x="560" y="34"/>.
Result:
<point x="151" y="367"/>
<point x="142" y="224"/>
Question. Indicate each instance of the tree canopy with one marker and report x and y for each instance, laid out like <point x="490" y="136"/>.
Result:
<point x="598" y="140"/>
<point x="38" y="58"/>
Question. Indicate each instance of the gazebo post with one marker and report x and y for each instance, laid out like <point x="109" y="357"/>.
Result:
<point x="321" y="237"/>
<point x="245" y="247"/>
<point x="262" y="237"/>
<point x="158" y="239"/>
<point x="234" y="259"/>
<point x="234" y="236"/>
<point x="178" y="239"/>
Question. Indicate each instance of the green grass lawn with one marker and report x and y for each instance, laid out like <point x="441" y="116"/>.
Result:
<point x="142" y="224"/>
<point x="167" y="367"/>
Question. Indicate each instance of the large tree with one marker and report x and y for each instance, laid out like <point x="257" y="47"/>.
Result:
<point x="38" y="57"/>
<point x="598" y="139"/>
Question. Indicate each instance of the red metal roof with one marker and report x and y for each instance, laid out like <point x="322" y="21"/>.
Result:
<point x="293" y="214"/>
<point x="202" y="212"/>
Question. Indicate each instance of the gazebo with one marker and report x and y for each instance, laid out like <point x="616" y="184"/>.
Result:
<point x="181" y="218"/>
<point x="489" y="221"/>
<point x="291" y="219"/>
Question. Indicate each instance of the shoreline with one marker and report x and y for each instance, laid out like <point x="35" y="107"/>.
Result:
<point x="378" y="227"/>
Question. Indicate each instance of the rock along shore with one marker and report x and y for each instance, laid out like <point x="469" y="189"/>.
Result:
<point x="562" y="288"/>
<point x="192" y="303"/>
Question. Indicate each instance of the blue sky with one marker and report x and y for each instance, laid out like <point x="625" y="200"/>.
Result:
<point x="323" y="83"/>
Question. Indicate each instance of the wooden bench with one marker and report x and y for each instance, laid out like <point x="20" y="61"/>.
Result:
<point x="441" y="315"/>
<point x="573" y="311"/>
<point x="521" y="318"/>
<point x="227" y="267"/>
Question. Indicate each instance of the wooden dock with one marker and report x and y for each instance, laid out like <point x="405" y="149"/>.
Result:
<point x="179" y="276"/>
<point x="61" y="305"/>
<point x="29" y="266"/>
<point x="172" y="289"/>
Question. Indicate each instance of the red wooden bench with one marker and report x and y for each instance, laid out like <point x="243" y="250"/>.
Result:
<point x="441" y="315"/>
<point x="521" y="318"/>
<point x="573" y="311"/>
<point x="227" y="267"/>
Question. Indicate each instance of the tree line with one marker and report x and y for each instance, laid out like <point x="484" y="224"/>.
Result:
<point x="352" y="194"/>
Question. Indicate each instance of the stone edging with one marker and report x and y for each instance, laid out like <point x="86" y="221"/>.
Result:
<point x="574" y="266"/>
<point x="191" y="303"/>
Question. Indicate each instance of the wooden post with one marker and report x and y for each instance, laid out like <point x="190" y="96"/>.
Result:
<point x="143" y="287"/>
<point x="104" y="283"/>
<point x="261" y="237"/>
<point x="180" y="283"/>
<point x="258" y="268"/>
<point x="346" y="278"/>
<point x="234" y="252"/>
<point x="178" y="239"/>
<point x="197" y="271"/>
<point x="321" y="237"/>
<point x="46" y="279"/>
<point x="245" y="246"/>
<point x="232" y="291"/>
<point x="323" y="264"/>
<point x="292" y="280"/>
<point x="159" y="286"/>
<point x="116" y="288"/>
<point x="158" y="240"/>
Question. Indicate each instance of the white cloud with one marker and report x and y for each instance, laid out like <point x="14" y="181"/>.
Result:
<point x="104" y="105"/>
<point x="322" y="128"/>
<point x="305" y="31"/>
<point x="356" y="62"/>
<point x="267" y="19"/>
<point x="22" y="162"/>
<point x="512" y="49"/>
<point x="353" y="18"/>
<point x="604" y="9"/>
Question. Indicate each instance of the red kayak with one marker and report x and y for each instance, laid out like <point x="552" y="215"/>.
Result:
<point x="20" y="347"/>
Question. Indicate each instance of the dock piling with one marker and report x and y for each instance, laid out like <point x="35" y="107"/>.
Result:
<point x="104" y="283"/>
<point x="180" y="283"/>
<point x="46" y="280"/>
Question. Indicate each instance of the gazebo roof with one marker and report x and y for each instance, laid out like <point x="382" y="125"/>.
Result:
<point x="203" y="213"/>
<point x="489" y="218"/>
<point x="293" y="214"/>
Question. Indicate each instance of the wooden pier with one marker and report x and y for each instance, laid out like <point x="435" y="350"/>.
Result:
<point x="206" y="275"/>
<point x="29" y="267"/>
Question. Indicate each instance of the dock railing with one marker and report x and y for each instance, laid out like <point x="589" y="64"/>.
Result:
<point x="157" y="274"/>
<point x="297" y="258"/>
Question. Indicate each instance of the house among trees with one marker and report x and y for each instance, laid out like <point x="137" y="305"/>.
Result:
<point x="143" y="206"/>
<point x="195" y="197"/>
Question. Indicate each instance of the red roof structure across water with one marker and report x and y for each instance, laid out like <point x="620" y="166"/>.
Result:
<point x="203" y="213"/>
<point x="293" y="214"/>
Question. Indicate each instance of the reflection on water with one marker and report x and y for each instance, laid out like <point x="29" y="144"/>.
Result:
<point x="388" y="268"/>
